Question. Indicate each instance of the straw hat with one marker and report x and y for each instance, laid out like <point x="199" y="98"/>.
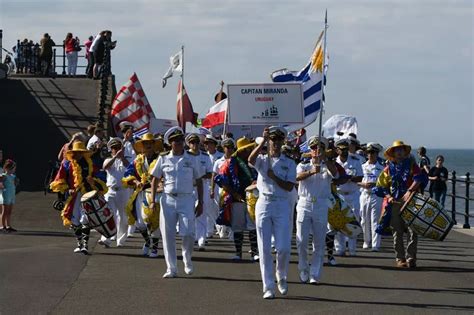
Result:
<point x="244" y="144"/>
<point x="78" y="146"/>
<point x="148" y="137"/>
<point x="397" y="144"/>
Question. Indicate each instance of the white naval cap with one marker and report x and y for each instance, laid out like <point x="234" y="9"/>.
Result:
<point x="125" y="125"/>
<point x="277" y="131"/>
<point x="314" y="140"/>
<point x="173" y="132"/>
<point x="374" y="146"/>
<point x="210" y="137"/>
<point x="228" y="142"/>
<point x="113" y="142"/>
<point x="192" y="136"/>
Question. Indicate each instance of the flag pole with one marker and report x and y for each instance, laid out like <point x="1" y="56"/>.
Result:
<point x="182" y="86"/>
<point x="324" y="76"/>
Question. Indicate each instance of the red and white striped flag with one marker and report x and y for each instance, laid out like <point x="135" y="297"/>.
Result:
<point x="131" y="105"/>
<point x="216" y="115"/>
<point x="184" y="108"/>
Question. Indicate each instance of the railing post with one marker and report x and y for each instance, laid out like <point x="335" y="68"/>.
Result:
<point x="453" y="197"/>
<point x="54" y="63"/>
<point x="466" y="211"/>
<point x="64" y="59"/>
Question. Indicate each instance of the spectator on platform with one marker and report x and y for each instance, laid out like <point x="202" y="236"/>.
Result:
<point x="98" y="48"/>
<point x="438" y="176"/>
<point x="88" y="55"/>
<point x="90" y="131"/>
<point x="46" y="54"/>
<point x="71" y="45"/>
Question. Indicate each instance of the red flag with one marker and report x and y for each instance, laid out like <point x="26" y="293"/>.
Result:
<point x="130" y="104"/>
<point x="184" y="108"/>
<point x="216" y="115"/>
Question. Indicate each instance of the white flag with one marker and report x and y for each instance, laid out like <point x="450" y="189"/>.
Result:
<point x="339" y="123"/>
<point x="176" y="65"/>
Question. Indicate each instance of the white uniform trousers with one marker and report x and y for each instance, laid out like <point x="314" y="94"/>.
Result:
<point x="340" y="240"/>
<point x="213" y="212"/>
<point x="311" y="217"/>
<point x="177" y="209"/>
<point x="202" y="220"/>
<point x="79" y="215"/>
<point x="272" y="217"/>
<point x="370" y="210"/>
<point x="117" y="201"/>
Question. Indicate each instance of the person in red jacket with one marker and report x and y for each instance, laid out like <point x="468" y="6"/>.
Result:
<point x="71" y="46"/>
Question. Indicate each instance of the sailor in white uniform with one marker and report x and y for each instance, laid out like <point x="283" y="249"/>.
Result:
<point x="179" y="170"/>
<point x="276" y="179"/>
<point x="205" y="165"/>
<point x="370" y="204"/>
<point x="314" y="190"/>
<point x="210" y="144"/>
<point x="349" y="191"/>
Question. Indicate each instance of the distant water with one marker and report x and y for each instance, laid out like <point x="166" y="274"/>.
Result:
<point x="461" y="161"/>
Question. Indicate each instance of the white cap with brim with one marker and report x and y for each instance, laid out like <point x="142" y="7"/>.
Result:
<point x="228" y="142"/>
<point x="315" y="140"/>
<point x="278" y="131"/>
<point x="173" y="132"/>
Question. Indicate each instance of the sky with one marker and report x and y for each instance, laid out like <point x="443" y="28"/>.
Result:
<point x="403" y="68"/>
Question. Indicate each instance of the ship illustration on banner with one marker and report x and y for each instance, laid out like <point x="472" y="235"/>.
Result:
<point x="269" y="113"/>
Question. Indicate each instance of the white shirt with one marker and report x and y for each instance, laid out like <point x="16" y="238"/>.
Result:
<point x="205" y="164"/>
<point x="371" y="172"/>
<point x="283" y="167"/>
<point x="352" y="167"/>
<point x="129" y="151"/>
<point x="317" y="185"/>
<point x="215" y="156"/>
<point x="94" y="43"/>
<point x="115" y="173"/>
<point x="217" y="164"/>
<point x="178" y="171"/>
<point x="92" y="141"/>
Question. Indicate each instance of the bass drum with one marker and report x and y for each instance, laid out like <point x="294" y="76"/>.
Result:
<point x="341" y="217"/>
<point x="426" y="217"/>
<point x="101" y="218"/>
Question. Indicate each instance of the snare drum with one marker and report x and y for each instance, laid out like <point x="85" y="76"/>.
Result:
<point x="426" y="217"/>
<point x="342" y="218"/>
<point x="101" y="218"/>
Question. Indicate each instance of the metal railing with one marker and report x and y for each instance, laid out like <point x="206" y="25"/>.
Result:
<point x="454" y="196"/>
<point x="28" y="61"/>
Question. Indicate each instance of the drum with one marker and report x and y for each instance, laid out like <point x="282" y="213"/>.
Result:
<point x="100" y="216"/>
<point x="342" y="218"/>
<point x="426" y="217"/>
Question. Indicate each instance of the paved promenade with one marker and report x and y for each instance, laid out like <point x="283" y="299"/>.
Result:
<point x="40" y="274"/>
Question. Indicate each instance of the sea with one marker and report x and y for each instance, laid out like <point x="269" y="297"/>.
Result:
<point x="461" y="161"/>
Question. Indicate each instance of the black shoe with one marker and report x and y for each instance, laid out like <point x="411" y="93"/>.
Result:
<point x="10" y="229"/>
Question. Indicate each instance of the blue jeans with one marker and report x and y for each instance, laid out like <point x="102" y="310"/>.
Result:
<point x="440" y="196"/>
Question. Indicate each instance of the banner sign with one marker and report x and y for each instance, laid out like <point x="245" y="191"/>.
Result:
<point x="249" y="131"/>
<point x="265" y="104"/>
<point x="158" y="125"/>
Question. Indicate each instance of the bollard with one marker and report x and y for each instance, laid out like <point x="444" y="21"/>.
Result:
<point x="466" y="210"/>
<point x="54" y="63"/>
<point x="453" y="197"/>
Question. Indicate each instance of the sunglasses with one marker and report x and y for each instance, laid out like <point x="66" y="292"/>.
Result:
<point x="194" y="141"/>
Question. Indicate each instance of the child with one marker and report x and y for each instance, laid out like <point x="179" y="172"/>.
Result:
<point x="9" y="179"/>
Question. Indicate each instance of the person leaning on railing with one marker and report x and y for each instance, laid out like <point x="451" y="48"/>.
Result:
<point x="46" y="54"/>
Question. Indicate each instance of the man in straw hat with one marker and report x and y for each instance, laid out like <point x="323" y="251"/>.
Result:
<point x="139" y="207"/>
<point x="116" y="196"/>
<point x="350" y="192"/>
<point x="234" y="176"/>
<point x="70" y="179"/>
<point x="204" y="161"/>
<point x="370" y="203"/>
<point x="314" y="190"/>
<point x="276" y="179"/>
<point x="399" y="179"/>
<point x="179" y="170"/>
<point x="210" y="144"/>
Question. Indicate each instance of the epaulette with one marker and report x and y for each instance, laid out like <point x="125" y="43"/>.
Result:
<point x="193" y="154"/>
<point x="164" y="153"/>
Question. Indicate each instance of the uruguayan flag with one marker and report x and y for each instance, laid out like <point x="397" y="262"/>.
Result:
<point x="139" y="133"/>
<point x="311" y="77"/>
